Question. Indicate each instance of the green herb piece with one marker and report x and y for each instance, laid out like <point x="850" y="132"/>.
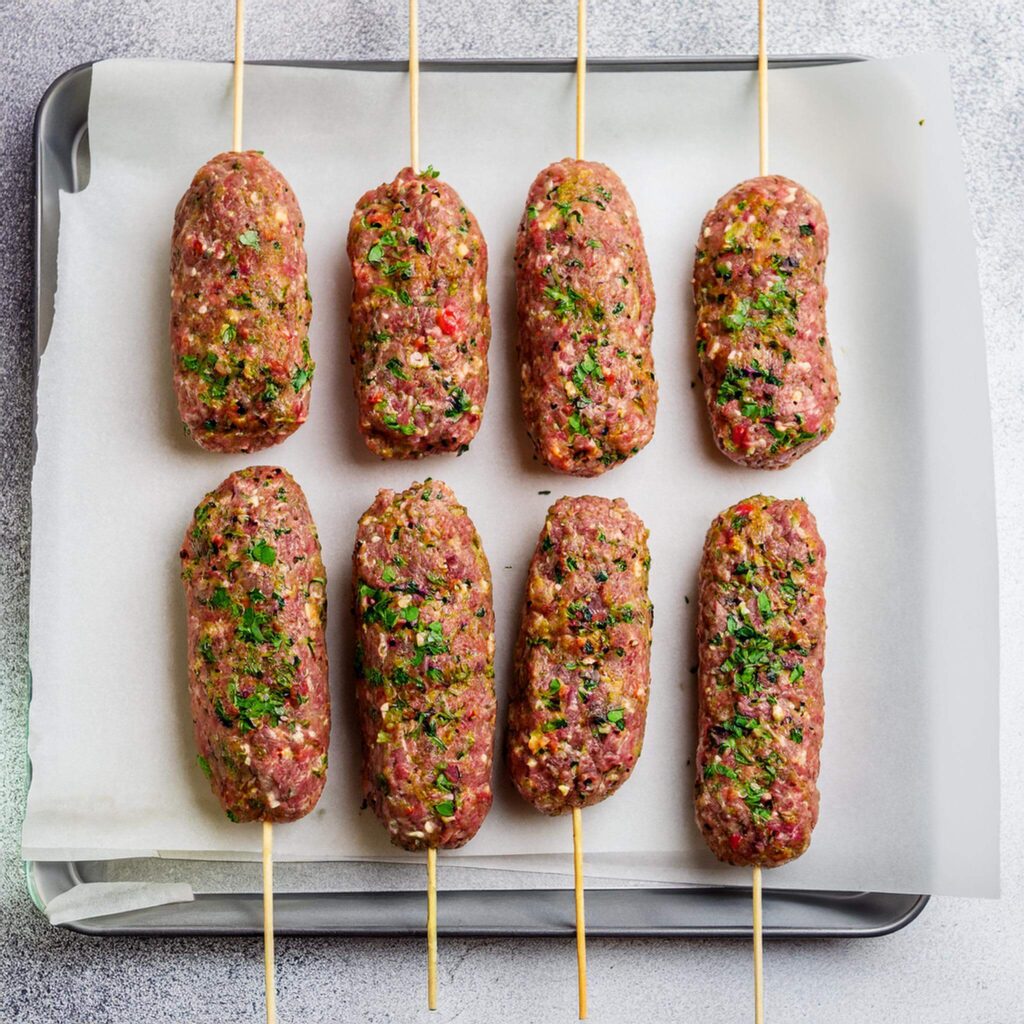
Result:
<point x="430" y="642"/>
<point x="262" y="704"/>
<point x="378" y="607"/>
<point x="403" y="268"/>
<point x="577" y="427"/>
<point x="568" y="212"/>
<point x="458" y="403"/>
<point x="260" y="551"/>
<point x="250" y="239"/>
<point x="206" y="650"/>
<point x="395" y="366"/>
<point x="587" y="368"/>
<point x="566" y="301"/>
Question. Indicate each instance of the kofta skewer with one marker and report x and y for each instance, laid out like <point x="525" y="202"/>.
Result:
<point x="424" y="625"/>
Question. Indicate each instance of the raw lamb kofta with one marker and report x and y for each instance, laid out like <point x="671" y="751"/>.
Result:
<point x="420" y="323"/>
<point x="762" y="346"/>
<point x="424" y="626"/>
<point x="256" y="593"/>
<point x="240" y="306"/>
<point x="578" y="706"/>
<point x="585" y="304"/>
<point x="761" y="654"/>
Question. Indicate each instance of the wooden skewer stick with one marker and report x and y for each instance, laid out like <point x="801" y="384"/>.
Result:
<point x="268" y="921"/>
<point x="758" y="961"/>
<point x="581" y="929"/>
<point x="762" y="90"/>
<point x="577" y="814"/>
<point x="269" y="982"/>
<point x="236" y="127"/>
<point x="414" y="87"/>
<point x="762" y="126"/>
<point x="581" y="75"/>
<point x="431" y="928"/>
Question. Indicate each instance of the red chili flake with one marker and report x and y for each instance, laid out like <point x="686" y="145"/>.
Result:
<point x="740" y="435"/>
<point x="447" y="320"/>
<point x="734" y="841"/>
<point x="744" y="509"/>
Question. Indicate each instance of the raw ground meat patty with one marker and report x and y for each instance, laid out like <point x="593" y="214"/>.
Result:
<point x="424" y="666"/>
<point x="761" y="652"/>
<point x="762" y="346"/>
<point x="420" y="323"/>
<point x="585" y="304"/>
<point x="578" y="706"/>
<point x="240" y="306"/>
<point x="257" y="600"/>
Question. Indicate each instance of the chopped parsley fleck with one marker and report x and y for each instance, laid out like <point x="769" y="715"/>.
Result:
<point x="260" y="551"/>
<point x="395" y="366"/>
<point x="458" y="403"/>
<point x="566" y="300"/>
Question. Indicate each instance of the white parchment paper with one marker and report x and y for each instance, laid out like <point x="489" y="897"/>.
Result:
<point x="902" y="491"/>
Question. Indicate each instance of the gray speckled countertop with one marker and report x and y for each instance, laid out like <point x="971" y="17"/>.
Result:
<point x="961" y="961"/>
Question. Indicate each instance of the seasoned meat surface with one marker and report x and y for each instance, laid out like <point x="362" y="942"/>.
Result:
<point x="585" y="304"/>
<point x="256" y="592"/>
<point x="240" y="306"/>
<point x="761" y="652"/>
<point x="424" y="666"/>
<point x="420" y="322"/>
<point x="578" y="706"/>
<point x="762" y="345"/>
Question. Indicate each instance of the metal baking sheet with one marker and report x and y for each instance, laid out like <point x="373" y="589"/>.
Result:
<point x="63" y="164"/>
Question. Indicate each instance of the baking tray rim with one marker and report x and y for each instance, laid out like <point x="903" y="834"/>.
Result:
<point x="78" y="78"/>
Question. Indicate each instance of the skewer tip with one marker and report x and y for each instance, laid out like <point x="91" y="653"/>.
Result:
<point x="431" y="928"/>
<point x="270" y="984"/>
<point x="581" y="928"/>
